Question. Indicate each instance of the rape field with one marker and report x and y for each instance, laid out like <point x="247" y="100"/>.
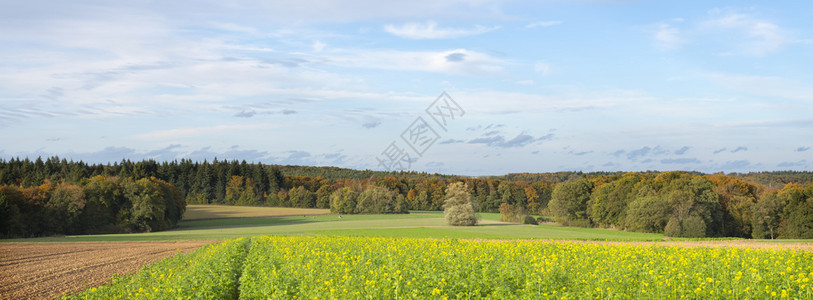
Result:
<point x="275" y="267"/>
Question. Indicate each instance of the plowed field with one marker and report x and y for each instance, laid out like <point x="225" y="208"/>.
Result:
<point x="47" y="270"/>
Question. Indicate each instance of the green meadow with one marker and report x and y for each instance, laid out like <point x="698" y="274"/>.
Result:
<point x="217" y="223"/>
<point x="416" y="224"/>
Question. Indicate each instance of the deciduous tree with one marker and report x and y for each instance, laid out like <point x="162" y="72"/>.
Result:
<point x="457" y="206"/>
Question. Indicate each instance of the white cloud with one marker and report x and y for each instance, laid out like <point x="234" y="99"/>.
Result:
<point x="543" y="24"/>
<point x="318" y="46"/>
<point x="225" y="26"/>
<point x="430" y="30"/>
<point x="667" y="36"/>
<point x="457" y="61"/>
<point x="556" y="100"/>
<point x="177" y="133"/>
<point x="765" y="86"/>
<point x="542" y="68"/>
<point x="751" y="36"/>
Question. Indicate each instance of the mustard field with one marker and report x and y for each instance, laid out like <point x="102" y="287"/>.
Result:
<point x="278" y="267"/>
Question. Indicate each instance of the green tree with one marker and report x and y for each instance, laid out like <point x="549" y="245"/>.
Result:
<point x="691" y="212"/>
<point x="323" y="196"/>
<point x="569" y="202"/>
<point x="301" y="197"/>
<point x="648" y="214"/>
<point x="12" y="221"/>
<point x="797" y="215"/>
<point x="151" y="199"/>
<point x="766" y="216"/>
<point x="343" y="201"/>
<point x="64" y="208"/>
<point x="422" y="201"/>
<point x="736" y="199"/>
<point x="401" y="204"/>
<point x="504" y="192"/>
<point x="491" y="203"/>
<point x="609" y="201"/>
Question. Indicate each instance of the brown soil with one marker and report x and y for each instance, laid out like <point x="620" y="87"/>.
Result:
<point x="47" y="270"/>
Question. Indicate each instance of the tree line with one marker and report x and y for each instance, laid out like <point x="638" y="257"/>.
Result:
<point x="682" y="204"/>
<point x="241" y="183"/>
<point x="101" y="204"/>
<point x="675" y="203"/>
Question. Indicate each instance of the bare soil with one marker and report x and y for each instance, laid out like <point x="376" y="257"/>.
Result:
<point x="48" y="270"/>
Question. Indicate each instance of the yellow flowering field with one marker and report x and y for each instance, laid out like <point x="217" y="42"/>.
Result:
<point x="386" y="268"/>
<point x="277" y="267"/>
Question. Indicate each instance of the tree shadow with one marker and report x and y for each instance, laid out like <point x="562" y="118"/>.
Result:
<point x="246" y="222"/>
<point x="496" y="224"/>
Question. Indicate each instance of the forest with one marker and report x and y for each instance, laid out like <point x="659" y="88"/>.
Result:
<point x="57" y="196"/>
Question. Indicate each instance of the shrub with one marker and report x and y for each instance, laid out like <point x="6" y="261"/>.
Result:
<point x="543" y="219"/>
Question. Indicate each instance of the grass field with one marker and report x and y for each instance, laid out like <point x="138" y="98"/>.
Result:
<point x="205" y="212"/>
<point x="217" y="223"/>
<point x="208" y="223"/>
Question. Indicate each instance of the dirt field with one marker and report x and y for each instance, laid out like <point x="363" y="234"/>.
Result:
<point x="211" y="211"/>
<point x="46" y="270"/>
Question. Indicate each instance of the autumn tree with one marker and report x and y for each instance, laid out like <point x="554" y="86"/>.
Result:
<point x="379" y="200"/>
<point x="736" y="200"/>
<point x="343" y="201"/>
<point x="533" y="200"/>
<point x="511" y="213"/>
<point x="323" y="196"/>
<point x="301" y="197"/>
<point x="457" y="206"/>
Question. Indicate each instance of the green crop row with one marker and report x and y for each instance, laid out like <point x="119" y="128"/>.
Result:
<point x="210" y="272"/>
<point x="402" y="268"/>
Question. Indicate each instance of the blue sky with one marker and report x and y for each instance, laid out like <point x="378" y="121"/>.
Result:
<point x="542" y="86"/>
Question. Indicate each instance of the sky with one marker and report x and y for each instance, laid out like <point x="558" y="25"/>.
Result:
<point x="456" y="87"/>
